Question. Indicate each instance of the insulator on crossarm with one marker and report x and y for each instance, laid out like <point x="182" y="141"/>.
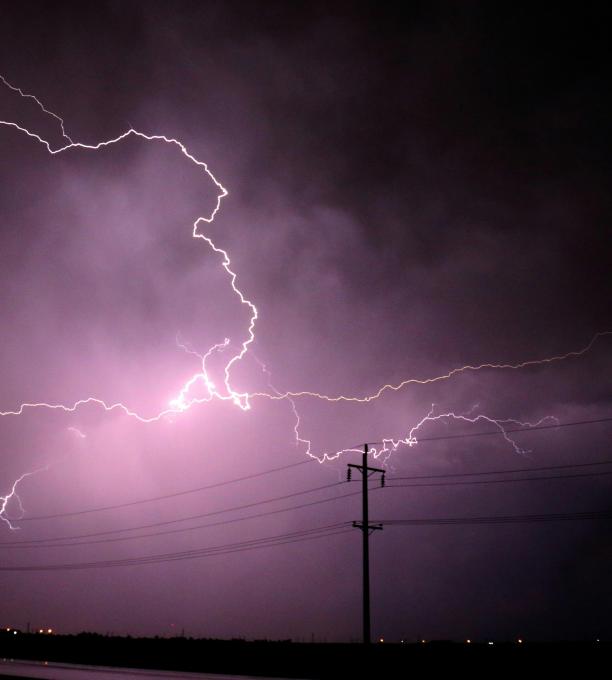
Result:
<point x="348" y="474"/>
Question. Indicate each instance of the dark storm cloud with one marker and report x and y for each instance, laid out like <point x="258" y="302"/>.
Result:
<point x="409" y="192"/>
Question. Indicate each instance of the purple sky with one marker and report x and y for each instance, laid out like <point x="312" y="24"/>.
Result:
<point x="408" y="194"/>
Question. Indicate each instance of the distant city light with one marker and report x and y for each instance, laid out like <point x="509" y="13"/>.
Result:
<point x="491" y="643"/>
<point x="381" y="639"/>
<point x="520" y="641"/>
<point x="469" y="642"/>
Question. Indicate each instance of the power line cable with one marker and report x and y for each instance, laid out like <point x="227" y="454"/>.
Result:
<point x="74" y="539"/>
<point x="267" y="541"/>
<point x="176" y="494"/>
<point x="53" y="542"/>
<point x="42" y="543"/>
<point x="476" y="482"/>
<point x="499" y="519"/>
<point x="212" y="513"/>
<point x="293" y="465"/>
<point x="501" y="472"/>
<point x="308" y="534"/>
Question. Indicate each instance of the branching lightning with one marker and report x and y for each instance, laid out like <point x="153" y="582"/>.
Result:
<point x="574" y="354"/>
<point x="388" y="446"/>
<point x="182" y="401"/>
<point x="13" y="496"/>
<point x="21" y="93"/>
<point x="200" y="388"/>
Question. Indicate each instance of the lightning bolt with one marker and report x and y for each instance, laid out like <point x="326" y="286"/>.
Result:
<point x="182" y="401"/>
<point x="397" y="387"/>
<point x="14" y="496"/>
<point x="299" y="440"/>
<point x="389" y="446"/>
<point x="200" y="388"/>
<point x="21" y="93"/>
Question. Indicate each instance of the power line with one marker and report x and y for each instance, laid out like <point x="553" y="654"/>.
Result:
<point x="500" y="519"/>
<point x="475" y="482"/>
<point x="212" y="513"/>
<point x="307" y="534"/>
<point x="264" y="542"/>
<point x="42" y="543"/>
<point x="54" y="542"/>
<point x="164" y="497"/>
<point x="177" y="494"/>
<point x="500" y="472"/>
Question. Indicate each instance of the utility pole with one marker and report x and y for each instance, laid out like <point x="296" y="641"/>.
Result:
<point x="366" y="528"/>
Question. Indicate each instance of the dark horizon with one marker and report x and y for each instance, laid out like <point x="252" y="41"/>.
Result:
<point x="415" y="205"/>
<point x="90" y="654"/>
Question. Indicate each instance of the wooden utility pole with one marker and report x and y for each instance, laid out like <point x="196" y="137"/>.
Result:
<point x="366" y="528"/>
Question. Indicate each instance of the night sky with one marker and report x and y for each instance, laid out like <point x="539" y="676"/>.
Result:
<point x="410" y="191"/>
